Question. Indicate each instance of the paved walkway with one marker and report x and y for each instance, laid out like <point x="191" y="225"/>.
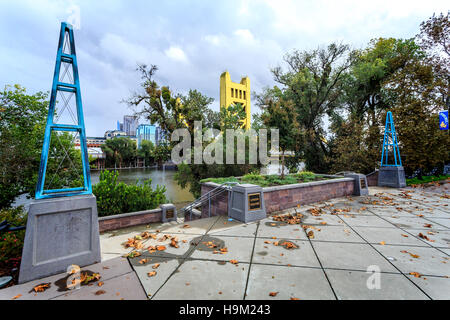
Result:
<point x="405" y="234"/>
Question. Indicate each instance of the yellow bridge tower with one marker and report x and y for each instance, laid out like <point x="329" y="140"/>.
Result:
<point x="233" y="93"/>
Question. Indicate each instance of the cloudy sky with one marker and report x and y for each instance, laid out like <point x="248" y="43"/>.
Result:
<point x="191" y="42"/>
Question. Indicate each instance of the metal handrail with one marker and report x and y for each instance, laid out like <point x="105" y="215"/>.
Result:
<point x="6" y="227"/>
<point x="207" y="197"/>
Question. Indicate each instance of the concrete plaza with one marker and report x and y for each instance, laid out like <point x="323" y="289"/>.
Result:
<point x="402" y="233"/>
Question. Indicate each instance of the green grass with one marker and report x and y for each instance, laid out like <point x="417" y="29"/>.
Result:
<point x="426" y="179"/>
<point x="269" y="180"/>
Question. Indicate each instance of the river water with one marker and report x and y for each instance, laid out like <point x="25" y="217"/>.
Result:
<point x="174" y="192"/>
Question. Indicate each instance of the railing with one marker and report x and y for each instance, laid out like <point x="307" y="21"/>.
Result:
<point x="207" y="197"/>
<point x="6" y="227"/>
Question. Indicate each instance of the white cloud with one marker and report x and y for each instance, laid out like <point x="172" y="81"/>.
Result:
<point x="176" y="53"/>
<point x="244" y="34"/>
<point x="191" y="44"/>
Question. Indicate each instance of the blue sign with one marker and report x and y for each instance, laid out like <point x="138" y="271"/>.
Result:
<point x="443" y="120"/>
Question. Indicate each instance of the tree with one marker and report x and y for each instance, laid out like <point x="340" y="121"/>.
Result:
<point x="161" y="153"/>
<point x="170" y="111"/>
<point x="356" y="141"/>
<point x="22" y="124"/>
<point x="313" y="82"/>
<point x="281" y="115"/>
<point x="119" y="151"/>
<point x="434" y="38"/>
<point x="146" y="151"/>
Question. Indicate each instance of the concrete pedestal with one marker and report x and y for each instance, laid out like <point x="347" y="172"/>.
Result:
<point x="60" y="232"/>
<point x="247" y="203"/>
<point x="391" y="177"/>
<point x="361" y="187"/>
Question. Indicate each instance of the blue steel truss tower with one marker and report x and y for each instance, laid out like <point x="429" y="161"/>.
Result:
<point x="390" y="140"/>
<point x="66" y="56"/>
<point x="391" y="174"/>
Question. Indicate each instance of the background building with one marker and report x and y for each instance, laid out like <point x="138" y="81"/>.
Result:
<point x="145" y="132"/>
<point x="91" y="142"/>
<point x="114" y="133"/>
<point x="119" y="126"/>
<point x="130" y="124"/>
<point x="232" y="93"/>
<point x="160" y="136"/>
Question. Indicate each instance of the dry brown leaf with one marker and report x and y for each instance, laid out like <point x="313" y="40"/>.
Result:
<point x="234" y="261"/>
<point x="160" y="248"/>
<point x="16" y="297"/>
<point x="99" y="292"/>
<point x="100" y="283"/>
<point x="273" y="294"/>
<point x="155" y="266"/>
<point x="151" y="273"/>
<point x="41" y="287"/>
<point x="382" y="243"/>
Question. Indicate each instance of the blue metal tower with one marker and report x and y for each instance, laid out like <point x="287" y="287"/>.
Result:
<point x="63" y="91"/>
<point x="390" y="140"/>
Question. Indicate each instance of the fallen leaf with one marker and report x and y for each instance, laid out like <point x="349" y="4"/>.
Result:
<point x="234" y="261"/>
<point x="404" y="235"/>
<point x="415" y="274"/>
<point x="273" y="294"/>
<point x="143" y="261"/>
<point x="99" y="292"/>
<point x="155" y="266"/>
<point x="310" y="234"/>
<point x="16" y="297"/>
<point x="295" y="298"/>
<point x="41" y="287"/>
<point x="100" y="283"/>
<point x="425" y="237"/>
<point x="186" y="226"/>
<point x="382" y="243"/>
<point x="151" y="274"/>
<point x="427" y="225"/>
<point x="160" y="248"/>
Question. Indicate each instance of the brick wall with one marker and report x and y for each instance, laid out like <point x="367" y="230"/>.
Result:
<point x="277" y="199"/>
<point x="119" y="221"/>
<point x="372" y="178"/>
<point x="284" y="197"/>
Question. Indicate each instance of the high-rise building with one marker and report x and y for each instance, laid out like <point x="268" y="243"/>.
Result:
<point x="119" y="126"/>
<point x="160" y="136"/>
<point x="145" y="132"/>
<point x="130" y="124"/>
<point x="233" y="93"/>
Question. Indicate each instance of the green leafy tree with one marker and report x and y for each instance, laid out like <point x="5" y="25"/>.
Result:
<point x="146" y="151"/>
<point x="314" y="82"/>
<point x="22" y="124"/>
<point x="119" y="151"/>
<point x="161" y="153"/>
<point x="281" y="115"/>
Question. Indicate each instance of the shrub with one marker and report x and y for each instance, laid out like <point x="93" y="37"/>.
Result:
<point x="11" y="242"/>
<point x="115" y="197"/>
<point x="306" y="176"/>
<point x="220" y="180"/>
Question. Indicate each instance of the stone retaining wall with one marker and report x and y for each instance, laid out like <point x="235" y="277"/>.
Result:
<point x="124" y="220"/>
<point x="372" y="178"/>
<point x="283" y="197"/>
